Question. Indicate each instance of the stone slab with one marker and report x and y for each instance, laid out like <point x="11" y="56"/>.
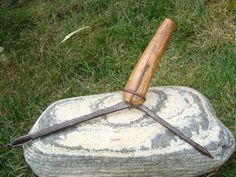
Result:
<point x="128" y="142"/>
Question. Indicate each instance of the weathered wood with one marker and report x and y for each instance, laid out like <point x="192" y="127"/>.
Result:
<point x="129" y="143"/>
<point x="144" y="70"/>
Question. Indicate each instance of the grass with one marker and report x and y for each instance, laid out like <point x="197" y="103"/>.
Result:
<point x="36" y="71"/>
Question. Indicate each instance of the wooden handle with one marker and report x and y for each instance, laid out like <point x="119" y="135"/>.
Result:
<point x="139" y="81"/>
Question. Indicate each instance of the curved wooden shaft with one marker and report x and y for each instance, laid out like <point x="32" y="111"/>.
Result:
<point x="139" y="81"/>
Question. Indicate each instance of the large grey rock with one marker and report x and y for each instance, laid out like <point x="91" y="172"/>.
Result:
<point x="129" y="143"/>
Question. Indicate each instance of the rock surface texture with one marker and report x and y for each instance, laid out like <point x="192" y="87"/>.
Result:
<point x="129" y="143"/>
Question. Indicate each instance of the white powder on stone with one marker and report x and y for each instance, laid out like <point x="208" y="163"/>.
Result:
<point x="99" y="135"/>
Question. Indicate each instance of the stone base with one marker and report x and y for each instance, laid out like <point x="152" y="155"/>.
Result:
<point x="128" y="142"/>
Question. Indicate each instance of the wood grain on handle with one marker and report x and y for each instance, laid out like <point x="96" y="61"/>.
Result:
<point x="139" y="81"/>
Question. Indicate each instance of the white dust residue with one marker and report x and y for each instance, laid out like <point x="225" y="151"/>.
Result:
<point x="103" y="138"/>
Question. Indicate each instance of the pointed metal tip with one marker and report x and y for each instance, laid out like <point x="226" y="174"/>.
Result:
<point x="209" y="155"/>
<point x="20" y="141"/>
<point x="11" y="144"/>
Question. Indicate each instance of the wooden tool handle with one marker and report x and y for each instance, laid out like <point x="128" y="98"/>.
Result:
<point x="139" y="81"/>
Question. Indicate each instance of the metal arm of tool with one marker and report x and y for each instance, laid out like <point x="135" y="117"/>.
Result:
<point x="197" y="146"/>
<point x="135" y="89"/>
<point x="61" y="126"/>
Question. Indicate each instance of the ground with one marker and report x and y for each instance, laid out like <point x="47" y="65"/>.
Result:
<point x="37" y="70"/>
